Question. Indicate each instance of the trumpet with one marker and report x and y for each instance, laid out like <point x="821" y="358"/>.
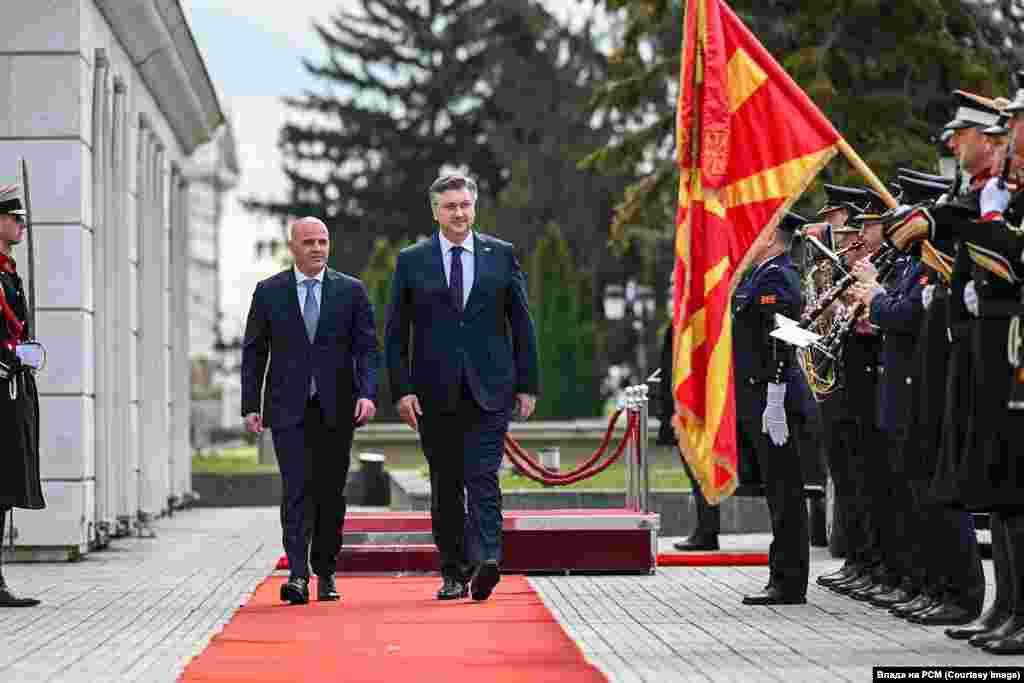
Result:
<point x="881" y="259"/>
<point x="835" y="341"/>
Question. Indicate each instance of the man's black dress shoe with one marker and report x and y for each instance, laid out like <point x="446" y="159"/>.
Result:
<point x="990" y="620"/>
<point x="856" y="583"/>
<point x="1010" y="645"/>
<point x="9" y="599"/>
<point x="1006" y="629"/>
<point x="326" y="590"/>
<point x="895" y="596"/>
<point x="946" y="614"/>
<point x="919" y="604"/>
<point x="484" y="581"/>
<point x="697" y="543"/>
<point x="452" y="588"/>
<point x="296" y="590"/>
<point x="774" y="596"/>
<point x="865" y="594"/>
<point x="845" y="572"/>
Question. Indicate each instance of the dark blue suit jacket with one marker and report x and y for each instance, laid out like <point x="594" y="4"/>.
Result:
<point x="492" y="343"/>
<point x="342" y="356"/>
<point x="898" y="314"/>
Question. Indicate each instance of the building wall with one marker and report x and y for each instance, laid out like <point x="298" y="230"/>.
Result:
<point x="110" y="220"/>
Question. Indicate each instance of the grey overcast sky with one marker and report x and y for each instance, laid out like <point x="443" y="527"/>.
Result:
<point x="253" y="51"/>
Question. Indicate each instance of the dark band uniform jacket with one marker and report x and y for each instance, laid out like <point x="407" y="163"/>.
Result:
<point x="898" y="313"/>
<point x="20" y="486"/>
<point x="770" y="288"/>
<point x="343" y="352"/>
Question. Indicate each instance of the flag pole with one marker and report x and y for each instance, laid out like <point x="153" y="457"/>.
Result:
<point x="877" y="185"/>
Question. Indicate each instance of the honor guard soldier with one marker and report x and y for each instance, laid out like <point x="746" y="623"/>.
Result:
<point x="948" y="552"/>
<point x="990" y="476"/>
<point x="772" y="401"/>
<point x="20" y="486"/>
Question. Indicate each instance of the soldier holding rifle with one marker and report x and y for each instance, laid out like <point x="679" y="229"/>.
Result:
<point x="19" y="404"/>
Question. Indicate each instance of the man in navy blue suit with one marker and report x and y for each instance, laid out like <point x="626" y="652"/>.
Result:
<point x="460" y="299"/>
<point x="314" y="326"/>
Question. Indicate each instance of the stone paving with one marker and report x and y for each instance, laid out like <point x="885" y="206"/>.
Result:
<point x="141" y="609"/>
<point x="687" y="624"/>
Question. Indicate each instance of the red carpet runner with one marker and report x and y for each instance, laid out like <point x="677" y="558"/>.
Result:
<point x="392" y="629"/>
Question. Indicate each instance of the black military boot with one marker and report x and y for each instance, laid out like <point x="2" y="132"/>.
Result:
<point x="999" y="612"/>
<point x="1008" y="639"/>
<point x="7" y="598"/>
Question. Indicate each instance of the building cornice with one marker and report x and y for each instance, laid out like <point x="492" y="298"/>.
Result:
<point x="162" y="48"/>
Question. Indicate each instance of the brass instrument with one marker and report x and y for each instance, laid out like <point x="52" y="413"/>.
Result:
<point x="880" y="259"/>
<point x="822" y="362"/>
<point x="835" y="342"/>
<point x="818" y="367"/>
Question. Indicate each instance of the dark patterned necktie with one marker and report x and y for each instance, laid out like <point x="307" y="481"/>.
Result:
<point x="455" y="278"/>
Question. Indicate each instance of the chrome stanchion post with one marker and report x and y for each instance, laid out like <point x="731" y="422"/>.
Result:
<point x="643" y="456"/>
<point x="630" y="453"/>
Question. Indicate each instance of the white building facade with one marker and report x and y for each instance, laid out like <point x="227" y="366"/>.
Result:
<point x="212" y="172"/>
<point x="106" y="100"/>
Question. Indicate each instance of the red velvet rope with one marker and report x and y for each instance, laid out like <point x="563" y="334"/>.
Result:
<point x="582" y="467"/>
<point x="529" y="468"/>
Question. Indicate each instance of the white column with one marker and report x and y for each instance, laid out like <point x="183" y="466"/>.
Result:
<point x="122" y="282"/>
<point x="181" y="451"/>
<point x="102" y="227"/>
<point x="153" y="372"/>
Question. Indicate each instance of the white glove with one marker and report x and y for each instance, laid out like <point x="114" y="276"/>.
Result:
<point x="994" y="197"/>
<point x="971" y="298"/>
<point x="926" y="296"/>
<point x="773" y="420"/>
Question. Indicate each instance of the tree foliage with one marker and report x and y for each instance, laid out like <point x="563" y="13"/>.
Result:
<point x="882" y="71"/>
<point x="412" y="89"/>
<point x="562" y="304"/>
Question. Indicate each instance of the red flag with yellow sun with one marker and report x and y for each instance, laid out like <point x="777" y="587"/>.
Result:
<point x="749" y="141"/>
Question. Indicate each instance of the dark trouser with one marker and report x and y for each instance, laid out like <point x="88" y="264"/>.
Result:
<point x="893" y="507"/>
<point x="709" y="517"/>
<point x="314" y="460"/>
<point x="1005" y="591"/>
<point x="3" y="534"/>
<point x="789" y="553"/>
<point x="870" y="468"/>
<point x="846" y="470"/>
<point x="464" y="451"/>
<point x="945" y="550"/>
<point x="1013" y="525"/>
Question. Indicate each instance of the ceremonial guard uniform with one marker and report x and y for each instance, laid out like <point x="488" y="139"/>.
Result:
<point x="849" y="410"/>
<point x="20" y="486"/>
<point x="896" y="312"/>
<point x="772" y="399"/>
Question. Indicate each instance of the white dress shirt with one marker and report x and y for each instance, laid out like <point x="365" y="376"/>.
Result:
<point x="468" y="264"/>
<point x="318" y="291"/>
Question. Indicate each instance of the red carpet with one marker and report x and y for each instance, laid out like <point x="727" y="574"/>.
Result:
<point x="392" y="629"/>
<point x="711" y="559"/>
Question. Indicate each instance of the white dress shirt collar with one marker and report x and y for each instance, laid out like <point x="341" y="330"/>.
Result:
<point x="446" y="244"/>
<point x="300" y="277"/>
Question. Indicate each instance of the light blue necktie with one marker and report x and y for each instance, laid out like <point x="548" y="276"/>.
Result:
<point x="311" y="316"/>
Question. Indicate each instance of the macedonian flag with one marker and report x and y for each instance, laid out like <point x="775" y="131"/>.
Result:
<point x="749" y="141"/>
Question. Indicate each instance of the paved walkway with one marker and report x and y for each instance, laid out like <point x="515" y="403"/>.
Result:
<point x="141" y="609"/>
